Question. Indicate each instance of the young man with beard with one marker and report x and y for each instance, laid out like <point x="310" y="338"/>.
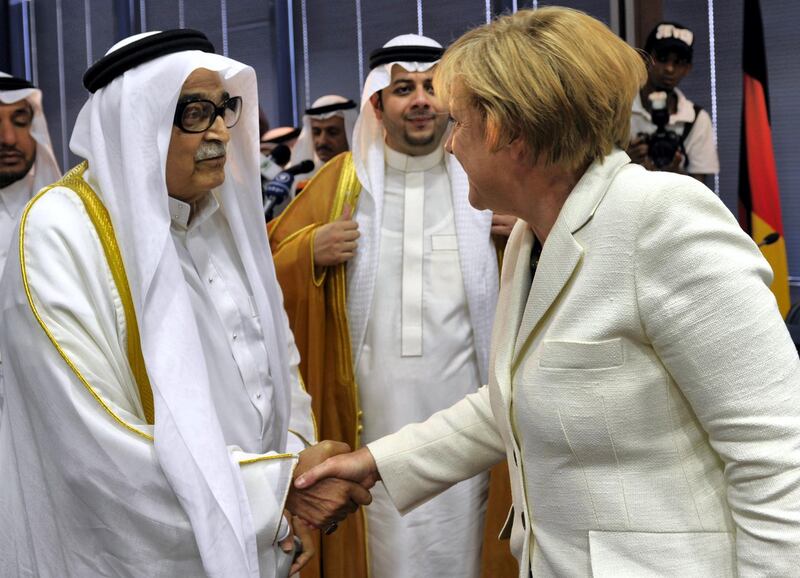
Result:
<point x="391" y="277"/>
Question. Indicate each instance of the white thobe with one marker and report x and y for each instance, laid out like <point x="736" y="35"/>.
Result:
<point x="81" y="489"/>
<point x="418" y="358"/>
<point x="12" y="200"/>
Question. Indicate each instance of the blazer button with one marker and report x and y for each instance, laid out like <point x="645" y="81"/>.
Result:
<point x="522" y="516"/>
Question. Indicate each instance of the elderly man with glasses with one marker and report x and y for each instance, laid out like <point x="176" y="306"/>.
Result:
<point x="154" y="416"/>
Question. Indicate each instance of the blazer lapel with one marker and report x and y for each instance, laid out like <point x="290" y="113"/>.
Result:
<point x="561" y="253"/>
<point x="511" y="303"/>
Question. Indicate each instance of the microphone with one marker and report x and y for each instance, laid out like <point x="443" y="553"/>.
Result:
<point x="300" y="168"/>
<point x="770" y="239"/>
<point x="279" y="187"/>
<point x="273" y="164"/>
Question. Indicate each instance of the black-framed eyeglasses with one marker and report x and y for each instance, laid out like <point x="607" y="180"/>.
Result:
<point x="199" y="115"/>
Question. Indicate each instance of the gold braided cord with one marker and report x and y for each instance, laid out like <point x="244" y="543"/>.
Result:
<point x="98" y="214"/>
<point x="348" y="190"/>
<point x="249" y="461"/>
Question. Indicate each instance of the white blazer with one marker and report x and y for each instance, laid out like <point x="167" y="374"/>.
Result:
<point x="645" y="392"/>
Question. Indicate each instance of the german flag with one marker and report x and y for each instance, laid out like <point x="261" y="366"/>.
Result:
<point x="759" y="197"/>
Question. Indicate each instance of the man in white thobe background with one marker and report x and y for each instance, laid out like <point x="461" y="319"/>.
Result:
<point x="421" y="289"/>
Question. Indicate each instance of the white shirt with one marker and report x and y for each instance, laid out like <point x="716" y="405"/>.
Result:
<point x="414" y="386"/>
<point x="231" y="334"/>
<point x="12" y="201"/>
<point x="701" y="151"/>
<point x="418" y="358"/>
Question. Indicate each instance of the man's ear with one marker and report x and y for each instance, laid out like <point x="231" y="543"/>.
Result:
<point x="377" y="105"/>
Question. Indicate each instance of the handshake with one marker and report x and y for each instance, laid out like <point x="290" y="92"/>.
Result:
<point x="330" y="483"/>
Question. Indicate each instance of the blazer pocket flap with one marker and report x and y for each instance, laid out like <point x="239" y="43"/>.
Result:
<point x="444" y="242"/>
<point x="581" y="354"/>
<point x="652" y="554"/>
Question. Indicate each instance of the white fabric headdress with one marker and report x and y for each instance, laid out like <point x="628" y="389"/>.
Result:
<point x="124" y="132"/>
<point x="476" y="251"/>
<point x="45" y="167"/>
<point x="304" y="147"/>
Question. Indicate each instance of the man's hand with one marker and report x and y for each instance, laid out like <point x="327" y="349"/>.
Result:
<point x="676" y="166"/>
<point x="306" y="535"/>
<point x="502" y="224"/>
<point x="359" y="467"/>
<point x="329" y="501"/>
<point x="637" y="150"/>
<point x="306" y="549"/>
<point x="316" y="454"/>
<point x="335" y="242"/>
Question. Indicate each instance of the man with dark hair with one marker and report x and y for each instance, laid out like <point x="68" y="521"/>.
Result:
<point x="388" y="272"/>
<point x="687" y="129"/>
<point x="26" y="155"/>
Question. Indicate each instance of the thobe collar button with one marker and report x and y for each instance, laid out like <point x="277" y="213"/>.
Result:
<point x="258" y="395"/>
<point x="408" y="164"/>
<point x="235" y="336"/>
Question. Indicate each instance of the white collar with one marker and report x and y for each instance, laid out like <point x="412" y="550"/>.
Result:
<point x="14" y="196"/>
<point x="410" y="164"/>
<point x="180" y="212"/>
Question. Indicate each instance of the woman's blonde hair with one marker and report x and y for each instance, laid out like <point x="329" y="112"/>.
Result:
<point x="554" y="77"/>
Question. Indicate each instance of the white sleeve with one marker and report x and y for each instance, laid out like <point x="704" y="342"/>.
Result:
<point x="302" y="425"/>
<point x="703" y="292"/>
<point x="421" y="460"/>
<point x="700" y="147"/>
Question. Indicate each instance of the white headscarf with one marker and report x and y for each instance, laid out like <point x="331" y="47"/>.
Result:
<point x="124" y="132"/>
<point x="304" y="147"/>
<point x="45" y="168"/>
<point x="476" y="251"/>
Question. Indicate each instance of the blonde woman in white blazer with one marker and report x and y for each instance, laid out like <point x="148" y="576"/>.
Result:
<point x="642" y="385"/>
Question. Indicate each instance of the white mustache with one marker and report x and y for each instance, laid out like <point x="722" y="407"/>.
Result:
<point x="209" y="150"/>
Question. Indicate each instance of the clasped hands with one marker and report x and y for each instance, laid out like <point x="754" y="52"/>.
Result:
<point x="331" y="483"/>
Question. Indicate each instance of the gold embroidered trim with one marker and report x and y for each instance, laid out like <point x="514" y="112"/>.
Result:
<point x="348" y="191"/>
<point x="303" y="439"/>
<point x="318" y="280"/>
<point x="266" y="459"/>
<point x="99" y="217"/>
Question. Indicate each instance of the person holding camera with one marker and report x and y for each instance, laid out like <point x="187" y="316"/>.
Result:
<point x="668" y="131"/>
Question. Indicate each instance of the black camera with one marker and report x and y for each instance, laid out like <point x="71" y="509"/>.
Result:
<point x="663" y="143"/>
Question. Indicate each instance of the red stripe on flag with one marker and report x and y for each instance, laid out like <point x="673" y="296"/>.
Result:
<point x="760" y="158"/>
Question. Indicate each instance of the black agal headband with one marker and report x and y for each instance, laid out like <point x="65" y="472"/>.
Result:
<point x="347" y="105"/>
<point x="143" y="50"/>
<point x="404" y="54"/>
<point x="14" y="83"/>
